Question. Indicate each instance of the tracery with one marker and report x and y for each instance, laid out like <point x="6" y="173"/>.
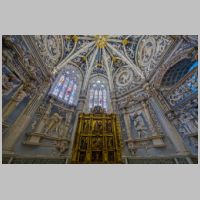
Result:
<point x="66" y="85"/>
<point x="98" y="95"/>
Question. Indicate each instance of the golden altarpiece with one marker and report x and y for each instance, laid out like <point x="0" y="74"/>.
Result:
<point x="97" y="138"/>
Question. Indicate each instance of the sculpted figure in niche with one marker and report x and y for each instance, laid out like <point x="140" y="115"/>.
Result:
<point x="109" y="126"/>
<point x="83" y="143"/>
<point x="110" y="142"/>
<point x="139" y="125"/>
<point x="98" y="127"/>
<point x="86" y="126"/>
<point x="97" y="142"/>
<point x="53" y="123"/>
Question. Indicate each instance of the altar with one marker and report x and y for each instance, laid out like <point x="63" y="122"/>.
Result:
<point x="97" y="139"/>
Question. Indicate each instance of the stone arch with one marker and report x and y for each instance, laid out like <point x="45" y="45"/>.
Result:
<point x="165" y="67"/>
<point x="104" y="81"/>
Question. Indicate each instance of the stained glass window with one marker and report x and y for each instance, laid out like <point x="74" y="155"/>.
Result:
<point x="98" y="95"/>
<point x="65" y="87"/>
<point x="178" y="71"/>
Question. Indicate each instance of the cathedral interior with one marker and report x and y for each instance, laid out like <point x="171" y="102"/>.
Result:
<point x="99" y="99"/>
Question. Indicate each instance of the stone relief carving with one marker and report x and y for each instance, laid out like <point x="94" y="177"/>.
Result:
<point x="150" y="50"/>
<point x="146" y="51"/>
<point x="50" y="47"/>
<point x="140" y="125"/>
<point x="52" y="124"/>
<point x="125" y="79"/>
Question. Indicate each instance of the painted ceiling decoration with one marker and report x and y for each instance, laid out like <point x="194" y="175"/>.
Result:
<point x="126" y="60"/>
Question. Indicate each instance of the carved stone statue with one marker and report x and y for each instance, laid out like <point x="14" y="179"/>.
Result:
<point x="139" y="125"/>
<point x="86" y="126"/>
<point x="53" y="122"/>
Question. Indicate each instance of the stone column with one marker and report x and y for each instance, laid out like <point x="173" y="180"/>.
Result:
<point x="168" y="128"/>
<point x="22" y="121"/>
<point x="157" y="141"/>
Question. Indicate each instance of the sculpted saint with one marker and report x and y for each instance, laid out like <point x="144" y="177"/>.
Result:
<point x="53" y="122"/>
<point x="139" y="125"/>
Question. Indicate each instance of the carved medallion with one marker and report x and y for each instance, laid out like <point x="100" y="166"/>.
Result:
<point x="145" y="51"/>
<point x="124" y="77"/>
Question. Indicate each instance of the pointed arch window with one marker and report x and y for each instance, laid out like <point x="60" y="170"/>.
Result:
<point x="65" y="87"/>
<point x="98" y="95"/>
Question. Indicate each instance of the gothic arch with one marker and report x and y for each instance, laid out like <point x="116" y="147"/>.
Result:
<point x="102" y="83"/>
<point x="165" y="67"/>
<point x="67" y="84"/>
